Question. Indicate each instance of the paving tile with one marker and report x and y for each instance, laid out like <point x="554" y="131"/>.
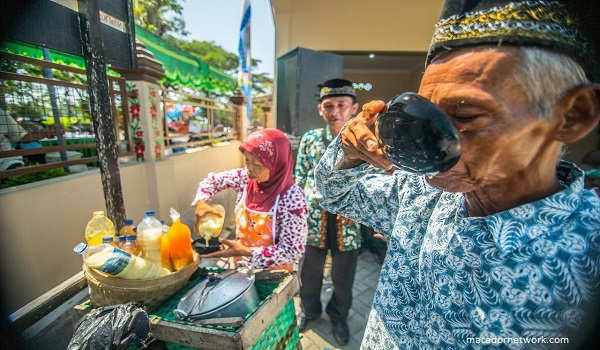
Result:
<point x="317" y="335"/>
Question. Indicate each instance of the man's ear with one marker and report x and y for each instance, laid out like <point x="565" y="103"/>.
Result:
<point x="580" y="113"/>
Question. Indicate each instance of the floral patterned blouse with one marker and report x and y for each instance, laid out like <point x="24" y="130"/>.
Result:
<point x="310" y="150"/>
<point x="524" y="278"/>
<point x="291" y="226"/>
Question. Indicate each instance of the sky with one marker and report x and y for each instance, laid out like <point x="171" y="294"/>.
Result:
<point x="219" y="21"/>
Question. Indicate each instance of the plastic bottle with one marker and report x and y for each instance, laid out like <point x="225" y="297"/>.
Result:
<point x="130" y="245"/>
<point x="180" y="242"/>
<point x="121" y="241"/>
<point x="116" y="262"/>
<point x="165" y="253"/>
<point x="109" y="240"/>
<point x="128" y="229"/>
<point x="149" y="235"/>
<point x="98" y="227"/>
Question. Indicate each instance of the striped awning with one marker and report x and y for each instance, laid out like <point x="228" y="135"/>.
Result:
<point x="181" y="68"/>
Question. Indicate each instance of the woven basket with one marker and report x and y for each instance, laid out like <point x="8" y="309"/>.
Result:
<point x="106" y="290"/>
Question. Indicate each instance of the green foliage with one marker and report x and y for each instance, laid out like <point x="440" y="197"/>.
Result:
<point x="161" y="17"/>
<point x="208" y="52"/>
<point x="34" y="177"/>
<point x="152" y="15"/>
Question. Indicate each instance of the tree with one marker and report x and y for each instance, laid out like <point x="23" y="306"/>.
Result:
<point x="153" y="16"/>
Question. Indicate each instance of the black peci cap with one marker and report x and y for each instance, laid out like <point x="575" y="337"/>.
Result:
<point x="565" y="26"/>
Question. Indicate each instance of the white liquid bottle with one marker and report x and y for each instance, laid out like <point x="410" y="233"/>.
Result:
<point x="116" y="262"/>
<point x="149" y="235"/>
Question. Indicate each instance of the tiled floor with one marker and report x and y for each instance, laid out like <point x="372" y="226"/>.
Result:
<point x="317" y="335"/>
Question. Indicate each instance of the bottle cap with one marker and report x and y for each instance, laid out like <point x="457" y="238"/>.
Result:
<point x="122" y="238"/>
<point x="131" y="238"/>
<point x="99" y="212"/>
<point x="107" y="239"/>
<point x="128" y="222"/>
<point x="150" y="212"/>
<point x="80" y="248"/>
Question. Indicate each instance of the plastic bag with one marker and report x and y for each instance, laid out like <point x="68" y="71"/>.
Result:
<point x="111" y="327"/>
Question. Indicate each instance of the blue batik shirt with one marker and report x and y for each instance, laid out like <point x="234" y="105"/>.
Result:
<point x="523" y="278"/>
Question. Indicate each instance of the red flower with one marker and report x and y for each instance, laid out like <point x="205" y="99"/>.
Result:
<point x="157" y="132"/>
<point x="153" y="93"/>
<point x="139" y="133"/>
<point x="135" y="111"/>
<point x="153" y="112"/>
<point x="157" y="150"/>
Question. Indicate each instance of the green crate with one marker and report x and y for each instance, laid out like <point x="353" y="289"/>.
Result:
<point x="281" y="333"/>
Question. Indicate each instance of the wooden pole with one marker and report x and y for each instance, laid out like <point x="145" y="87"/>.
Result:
<point x="102" y="118"/>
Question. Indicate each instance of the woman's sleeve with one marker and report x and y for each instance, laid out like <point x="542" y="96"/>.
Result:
<point x="214" y="183"/>
<point x="292" y="229"/>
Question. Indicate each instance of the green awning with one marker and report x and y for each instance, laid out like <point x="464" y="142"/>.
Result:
<point x="184" y="69"/>
<point x="181" y="68"/>
<point x="34" y="51"/>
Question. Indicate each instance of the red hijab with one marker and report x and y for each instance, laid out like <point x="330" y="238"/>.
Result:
<point x="273" y="149"/>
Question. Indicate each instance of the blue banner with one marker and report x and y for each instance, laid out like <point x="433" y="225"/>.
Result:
<point x="245" y="60"/>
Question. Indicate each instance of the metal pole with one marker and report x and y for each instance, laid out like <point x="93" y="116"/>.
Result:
<point x="55" y="112"/>
<point x="95" y="67"/>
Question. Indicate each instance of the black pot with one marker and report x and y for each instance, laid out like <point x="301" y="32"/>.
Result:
<point x="416" y="136"/>
<point x="228" y="294"/>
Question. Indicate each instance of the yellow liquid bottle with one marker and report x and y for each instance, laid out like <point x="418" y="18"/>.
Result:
<point x="98" y="227"/>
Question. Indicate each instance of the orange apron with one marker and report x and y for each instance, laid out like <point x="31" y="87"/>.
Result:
<point x="256" y="228"/>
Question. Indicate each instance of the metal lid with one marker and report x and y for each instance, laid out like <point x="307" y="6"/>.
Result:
<point x="215" y="292"/>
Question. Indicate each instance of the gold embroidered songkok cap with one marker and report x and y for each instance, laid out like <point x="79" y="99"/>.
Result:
<point x="566" y="26"/>
<point x="337" y="87"/>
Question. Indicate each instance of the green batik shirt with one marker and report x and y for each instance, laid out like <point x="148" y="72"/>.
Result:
<point x="310" y="150"/>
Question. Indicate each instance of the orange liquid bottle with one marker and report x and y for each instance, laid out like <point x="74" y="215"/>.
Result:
<point x="180" y="242"/>
<point x="165" y="252"/>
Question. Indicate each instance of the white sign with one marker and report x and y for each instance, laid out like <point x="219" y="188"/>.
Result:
<point x="113" y="22"/>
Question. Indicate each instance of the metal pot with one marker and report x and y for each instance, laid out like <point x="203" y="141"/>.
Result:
<point x="228" y="294"/>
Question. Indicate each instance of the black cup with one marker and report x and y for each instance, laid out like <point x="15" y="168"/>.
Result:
<point x="200" y="246"/>
<point x="416" y="136"/>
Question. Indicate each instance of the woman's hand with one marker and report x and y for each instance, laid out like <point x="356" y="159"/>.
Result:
<point x="233" y="248"/>
<point x="203" y="208"/>
<point x="359" y="140"/>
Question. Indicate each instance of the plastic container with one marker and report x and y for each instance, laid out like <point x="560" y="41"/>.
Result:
<point x="128" y="228"/>
<point x="165" y="252"/>
<point x="130" y="245"/>
<point x="98" y="227"/>
<point x="180" y="242"/>
<point x="116" y="262"/>
<point x="121" y="241"/>
<point x="109" y="240"/>
<point x="211" y="224"/>
<point x="149" y="235"/>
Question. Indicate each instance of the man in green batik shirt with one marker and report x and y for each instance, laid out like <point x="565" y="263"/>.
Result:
<point x="326" y="231"/>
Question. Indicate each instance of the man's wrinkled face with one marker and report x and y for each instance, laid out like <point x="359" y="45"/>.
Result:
<point x="337" y="110"/>
<point x="500" y="137"/>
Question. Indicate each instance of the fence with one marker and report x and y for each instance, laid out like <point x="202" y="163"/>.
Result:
<point x="192" y="121"/>
<point x="50" y="104"/>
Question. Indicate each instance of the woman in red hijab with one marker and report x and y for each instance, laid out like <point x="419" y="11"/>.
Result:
<point x="270" y="210"/>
